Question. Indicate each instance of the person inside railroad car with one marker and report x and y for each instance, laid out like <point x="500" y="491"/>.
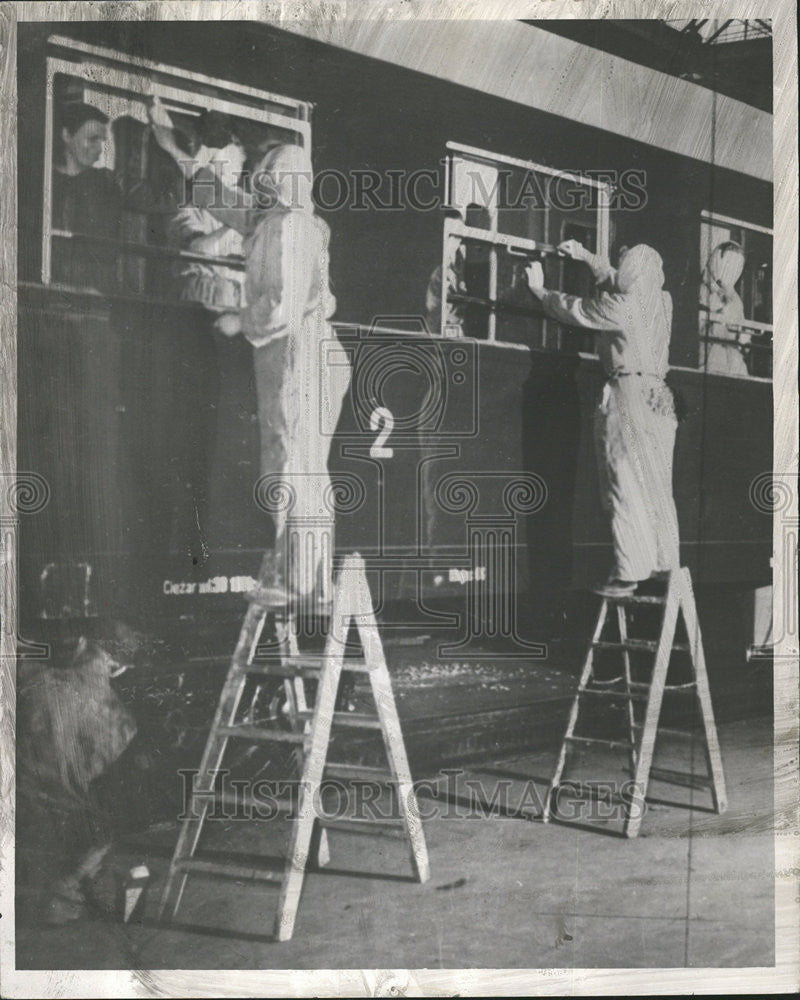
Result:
<point x="87" y="203"/>
<point x="453" y="322"/>
<point x="288" y="305"/>
<point x="635" y="422"/>
<point x="467" y="276"/>
<point x="722" y="313"/>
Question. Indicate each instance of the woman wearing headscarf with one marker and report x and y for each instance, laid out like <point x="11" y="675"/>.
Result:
<point x="635" y="422"/>
<point x="722" y="312"/>
<point x="288" y="305"/>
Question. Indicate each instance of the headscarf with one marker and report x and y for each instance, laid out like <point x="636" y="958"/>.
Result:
<point x="641" y="269"/>
<point x="718" y="294"/>
<point x="644" y="314"/>
<point x="284" y="177"/>
<point x="725" y="264"/>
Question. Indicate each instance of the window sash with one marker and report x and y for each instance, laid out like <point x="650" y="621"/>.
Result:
<point x="495" y="238"/>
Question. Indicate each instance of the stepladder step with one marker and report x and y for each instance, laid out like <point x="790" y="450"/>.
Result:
<point x="639" y="645"/>
<point x="260" y="734"/>
<point x="686" y="734"/>
<point x="368" y="826"/>
<point x="611" y="694"/>
<point x="301" y="666"/>
<point x="643" y="599"/>
<point x="700" y="782"/>
<point x="596" y="741"/>
<point x="232" y="870"/>
<point x="688" y="686"/>
<point x="358" y="772"/>
<point x="350" y="720"/>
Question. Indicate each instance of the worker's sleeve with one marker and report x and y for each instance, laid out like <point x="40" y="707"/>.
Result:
<point x="280" y="267"/>
<point x="230" y="206"/>
<point x="667" y="300"/>
<point x="591" y="313"/>
<point x="601" y="268"/>
<point x="329" y="304"/>
<point x="184" y="226"/>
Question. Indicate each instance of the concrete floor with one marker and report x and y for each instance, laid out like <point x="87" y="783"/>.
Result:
<point x="694" y="890"/>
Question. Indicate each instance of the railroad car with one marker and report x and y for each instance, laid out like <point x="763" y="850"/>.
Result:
<point x="462" y="459"/>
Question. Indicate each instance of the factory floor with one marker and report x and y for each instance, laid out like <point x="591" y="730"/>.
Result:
<point x="695" y="889"/>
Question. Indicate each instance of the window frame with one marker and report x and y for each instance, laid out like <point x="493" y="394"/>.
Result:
<point x="711" y="218"/>
<point x="148" y="79"/>
<point x="495" y="238"/>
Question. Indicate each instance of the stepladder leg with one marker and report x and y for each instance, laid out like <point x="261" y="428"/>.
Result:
<point x="713" y="753"/>
<point x="203" y="790"/>
<point x="652" y="713"/>
<point x="586" y="676"/>
<point x="386" y="706"/>
<point x="398" y="763"/>
<point x="310" y="783"/>
<point x="622" y="623"/>
<point x="296" y="701"/>
<point x="202" y="794"/>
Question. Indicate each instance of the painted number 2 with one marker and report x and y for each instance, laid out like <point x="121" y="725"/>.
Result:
<point x="383" y="420"/>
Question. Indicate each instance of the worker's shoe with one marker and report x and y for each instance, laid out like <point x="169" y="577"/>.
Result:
<point x="271" y="590"/>
<point x="615" y="588"/>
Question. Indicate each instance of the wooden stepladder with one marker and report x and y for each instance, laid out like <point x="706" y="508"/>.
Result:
<point x="643" y="728"/>
<point x="310" y="734"/>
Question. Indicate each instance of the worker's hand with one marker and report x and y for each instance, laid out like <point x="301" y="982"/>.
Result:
<point x="573" y="249"/>
<point x="161" y="124"/>
<point x="229" y="324"/>
<point x="535" y="275"/>
<point x="209" y="243"/>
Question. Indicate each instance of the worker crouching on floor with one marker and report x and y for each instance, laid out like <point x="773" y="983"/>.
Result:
<point x="286" y="318"/>
<point x="635" y="421"/>
<point x="71" y="728"/>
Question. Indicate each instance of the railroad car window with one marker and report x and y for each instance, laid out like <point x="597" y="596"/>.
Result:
<point x="505" y="212"/>
<point x="118" y="215"/>
<point x="735" y="307"/>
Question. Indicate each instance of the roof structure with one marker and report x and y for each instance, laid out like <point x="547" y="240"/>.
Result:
<point x="732" y="57"/>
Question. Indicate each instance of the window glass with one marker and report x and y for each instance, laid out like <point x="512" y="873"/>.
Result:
<point x="505" y="213"/>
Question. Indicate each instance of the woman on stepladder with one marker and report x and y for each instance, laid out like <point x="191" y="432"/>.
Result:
<point x="288" y="305"/>
<point x="635" y="422"/>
